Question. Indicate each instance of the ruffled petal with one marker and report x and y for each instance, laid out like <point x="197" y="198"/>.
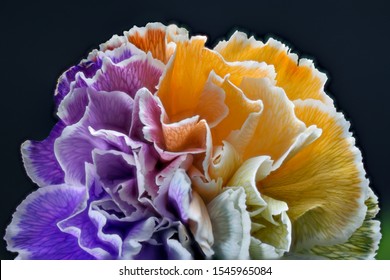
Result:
<point x="73" y="106"/>
<point x="273" y="228"/>
<point x="157" y="39"/>
<point x="300" y="79"/>
<point x="129" y="75"/>
<point x="76" y="143"/>
<point x="33" y="232"/>
<point x="364" y="242"/>
<point x="277" y="127"/>
<point x="249" y="173"/>
<point x="180" y="91"/>
<point x="324" y="184"/>
<point x="40" y="161"/>
<point x="200" y="225"/>
<point x="231" y="225"/>
<point x="239" y="125"/>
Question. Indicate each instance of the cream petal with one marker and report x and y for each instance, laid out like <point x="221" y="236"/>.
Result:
<point x="200" y="225"/>
<point x="231" y="225"/>
<point x="207" y="189"/>
<point x="224" y="162"/>
<point x="272" y="226"/>
<point x="251" y="171"/>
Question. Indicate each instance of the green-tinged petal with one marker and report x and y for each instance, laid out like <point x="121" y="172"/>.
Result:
<point x="272" y="226"/>
<point x="251" y="171"/>
<point x="363" y="243"/>
<point x="231" y="224"/>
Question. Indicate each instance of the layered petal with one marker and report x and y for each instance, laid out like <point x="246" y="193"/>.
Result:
<point x="324" y="184"/>
<point x="276" y="128"/>
<point x="76" y="143"/>
<point x="231" y="224"/>
<point x="33" y="232"/>
<point x="300" y="79"/>
<point x="157" y="39"/>
<point x="39" y="159"/>
<point x="364" y="242"/>
<point x="180" y="90"/>
<point x="128" y="76"/>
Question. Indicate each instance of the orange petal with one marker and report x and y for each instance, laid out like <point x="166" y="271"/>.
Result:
<point x="185" y="135"/>
<point x="300" y="80"/>
<point x="187" y="72"/>
<point x="242" y="117"/>
<point x="324" y="184"/>
<point x="156" y="38"/>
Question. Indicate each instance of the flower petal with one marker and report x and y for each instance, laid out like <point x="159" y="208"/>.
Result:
<point x="129" y="75"/>
<point x="363" y="243"/>
<point x="157" y="39"/>
<point x="200" y="225"/>
<point x="231" y="225"/>
<point x="272" y="227"/>
<point x="73" y="106"/>
<point x="180" y="91"/>
<point x="33" y="232"/>
<point x="225" y="162"/>
<point x="277" y="126"/>
<point x="300" y="79"/>
<point x="242" y="118"/>
<point x="324" y="184"/>
<point x="250" y="172"/>
<point x="40" y="161"/>
<point x="76" y="143"/>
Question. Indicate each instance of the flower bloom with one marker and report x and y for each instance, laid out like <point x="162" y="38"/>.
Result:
<point x="166" y="149"/>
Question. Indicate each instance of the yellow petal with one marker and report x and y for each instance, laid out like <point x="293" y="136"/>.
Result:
<point x="300" y="80"/>
<point x="187" y="72"/>
<point x="207" y="189"/>
<point x="273" y="227"/>
<point x="157" y="39"/>
<point x="363" y="243"/>
<point x="250" y="172"/>
<point x="224" y="162"/>
<point x="277" y="131"/>
<point x="324" y="184"/>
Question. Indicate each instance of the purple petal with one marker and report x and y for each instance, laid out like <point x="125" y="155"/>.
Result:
<point x="129" y="76"/>
<point x="109" y="110"/>
<point x="87" y="67"/>
<point x="74" y="148"/>
<point x="73" y="106"/>
<point x="117" y="173"/>
<point x="174" y="197"/>
<point x="141" y="232"/>
<point x="33" y="232"/>
<point x="39" y="159"/>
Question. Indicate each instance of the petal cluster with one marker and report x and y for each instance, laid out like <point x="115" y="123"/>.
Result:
<point x="167" y="149"/>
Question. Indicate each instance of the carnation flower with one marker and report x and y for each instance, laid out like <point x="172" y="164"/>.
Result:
<point x="166" y="149"/>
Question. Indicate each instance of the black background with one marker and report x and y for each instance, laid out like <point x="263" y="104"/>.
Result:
<point x="38" y="41"/>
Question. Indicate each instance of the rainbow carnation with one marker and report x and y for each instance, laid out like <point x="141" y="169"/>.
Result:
<point x="167" y="149"/>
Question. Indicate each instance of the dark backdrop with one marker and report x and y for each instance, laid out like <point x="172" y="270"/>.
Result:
<point x="39" y="41"/>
